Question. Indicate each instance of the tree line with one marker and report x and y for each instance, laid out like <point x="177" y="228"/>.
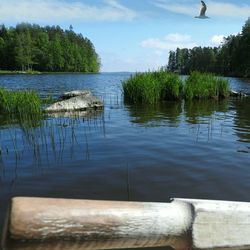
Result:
<point x="31" y="47"/>
<point x="232" y="58"/>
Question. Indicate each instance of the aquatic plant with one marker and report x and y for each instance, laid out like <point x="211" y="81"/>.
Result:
<point x="205" y="86"/>
<point x="21" y="102"/>
<point x="49" y="99"/>
<point x="152" y="87"/>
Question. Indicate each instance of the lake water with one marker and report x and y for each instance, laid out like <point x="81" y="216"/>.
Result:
<point x="176" y="149"/>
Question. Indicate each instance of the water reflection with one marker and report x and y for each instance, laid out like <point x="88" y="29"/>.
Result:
<point x="48" y="141"/>
<point x="199" y="110"/>
<point x="24" y="121"/>
<point x="173" y="113"/>
<point x="166" y="113"/>
<point x="240" y="84"/>
<point x="242" y="119"/>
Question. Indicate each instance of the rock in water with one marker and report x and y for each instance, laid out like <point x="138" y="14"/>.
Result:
<point x="237" y="94"/>
<point x="75" y="93"/>
<point x="76" y="101"/>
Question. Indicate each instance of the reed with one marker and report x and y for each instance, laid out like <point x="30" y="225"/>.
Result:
<point x="205" y="86"/>
<point x="21" y="102"/>
<point x="152" y="87"/>
<point x="49" y="99"/>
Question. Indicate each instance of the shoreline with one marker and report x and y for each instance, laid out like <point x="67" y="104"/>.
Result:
<point x="17" y="72"/>
<point x="6" y="72"/>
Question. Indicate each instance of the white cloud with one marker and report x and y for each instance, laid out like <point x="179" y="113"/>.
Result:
<point x="228" y="9"/>
<point x="177" y="38"/>
<point x="213" y="8"/>
<point x="114" y="62"/>
<point x="170" y="42"/>
<point x="217" y="39"/>
<point x="177" y="8"/>
<point x="60" y="10"/>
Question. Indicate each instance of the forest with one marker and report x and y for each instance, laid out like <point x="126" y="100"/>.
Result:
<point x="232" y="58"/>
<point x="29" y="47"/>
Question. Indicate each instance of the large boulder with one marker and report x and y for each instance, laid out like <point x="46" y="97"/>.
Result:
<point x="76" y="101"/>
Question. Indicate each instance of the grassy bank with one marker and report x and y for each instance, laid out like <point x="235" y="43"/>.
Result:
<point x="153" y="87"/>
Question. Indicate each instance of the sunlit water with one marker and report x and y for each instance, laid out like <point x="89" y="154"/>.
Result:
<point x="176" y="149"/>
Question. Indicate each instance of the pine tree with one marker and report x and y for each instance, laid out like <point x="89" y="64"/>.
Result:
<point x="28" y="47"/>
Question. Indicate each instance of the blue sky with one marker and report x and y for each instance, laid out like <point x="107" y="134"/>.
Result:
<point x="134" y="35"/>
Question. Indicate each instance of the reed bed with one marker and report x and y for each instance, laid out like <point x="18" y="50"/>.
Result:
<point x="22" y="102"/>
<point x="205" y="86"/>
<point x="153" y="87"/>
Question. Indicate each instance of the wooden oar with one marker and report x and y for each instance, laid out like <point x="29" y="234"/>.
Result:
<point x="42" y="223"/>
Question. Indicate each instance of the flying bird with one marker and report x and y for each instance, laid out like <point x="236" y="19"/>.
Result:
<point x="203" y="11"/>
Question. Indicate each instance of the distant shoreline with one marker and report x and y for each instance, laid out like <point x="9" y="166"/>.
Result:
<point x="18" y="72"/>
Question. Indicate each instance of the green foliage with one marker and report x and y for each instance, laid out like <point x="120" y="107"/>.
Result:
<point x="232" y="58"/>
<point x="184" y="61"/>
<point x="205" y="86"/>
<point x="46" y="49"/>
<point x="152" y="87"/>
<point x="48" y="99"/>
<point x="21" y="103"/>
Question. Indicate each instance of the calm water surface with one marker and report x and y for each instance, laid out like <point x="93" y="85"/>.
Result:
<point x="176" y="149"/>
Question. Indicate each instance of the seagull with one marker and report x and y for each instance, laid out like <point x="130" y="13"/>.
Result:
<point x="203" y="11"/>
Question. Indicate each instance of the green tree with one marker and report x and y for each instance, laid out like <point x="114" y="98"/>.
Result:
<point x="24" y="51"/>
<point x="171" y="61"/>
<point x="231" y="58"/>
<point x="47" y="48"/>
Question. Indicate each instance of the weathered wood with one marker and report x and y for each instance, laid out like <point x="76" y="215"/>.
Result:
<point x="99" y="224"/>
<point x="220" y="224"/>
<point x="41" y="223"/>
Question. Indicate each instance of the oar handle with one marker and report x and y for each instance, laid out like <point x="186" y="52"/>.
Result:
<point x="86" y="224"/>
<point x="66" y="224"/>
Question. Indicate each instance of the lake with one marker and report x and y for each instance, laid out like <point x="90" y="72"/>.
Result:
<point x="198" y="149"/>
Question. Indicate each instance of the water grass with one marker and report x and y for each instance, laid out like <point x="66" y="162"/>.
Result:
<point x="152" y="87"/>
<point x="156" y="86"/>
<point x="21" y="102"/>
<point x="49" y="99"/>
<point x="205" y="86"/>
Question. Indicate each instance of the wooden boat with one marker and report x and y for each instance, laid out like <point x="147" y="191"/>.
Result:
<point x="45" y="223"/>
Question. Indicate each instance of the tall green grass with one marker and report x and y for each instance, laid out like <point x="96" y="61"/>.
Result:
<point x="205" y="86"/>
<point x="152" y="87"/>
<point x="21" y="102"/>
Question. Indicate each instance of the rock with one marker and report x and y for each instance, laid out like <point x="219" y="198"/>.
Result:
<point x="237" y="94"/>
<point x="75" y="93"/>
<point x="90" y="113"/>
<point x="81" y="101"/>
